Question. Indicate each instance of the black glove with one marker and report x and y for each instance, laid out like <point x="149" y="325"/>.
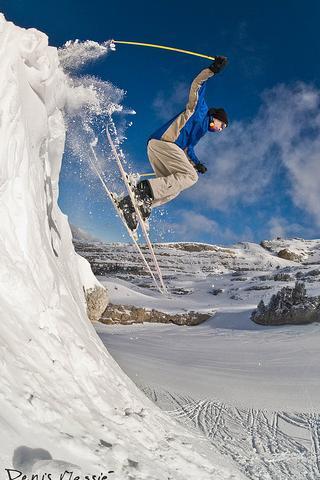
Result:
<point x="218" y="64"/>
<point x="200" y="168"/>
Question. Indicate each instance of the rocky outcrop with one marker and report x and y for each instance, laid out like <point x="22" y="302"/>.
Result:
<point x="309" y="276"/>
<point x="282" y="277"/>
<point x="288" y="306"/>
<point x="289" y="255"/>
<point x="97" y="301"/>
<point x="129" y="314"/>
<point x="197" y="247"/>
<point x="292" y="249"/>
<point x="257" y="287"/>
<point x="217" y="291"/>
<point x="266" y="245"/>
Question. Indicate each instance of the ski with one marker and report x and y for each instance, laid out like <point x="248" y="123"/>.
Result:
<point x="126" y="179"/>
<point x="114" y="200"/>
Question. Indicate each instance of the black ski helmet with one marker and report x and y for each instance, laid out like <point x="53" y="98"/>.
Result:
<point x="218" y="113"/>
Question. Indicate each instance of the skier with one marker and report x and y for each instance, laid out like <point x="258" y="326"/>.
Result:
<point x="171" y="149"/>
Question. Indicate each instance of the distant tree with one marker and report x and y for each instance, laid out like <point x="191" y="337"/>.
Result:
<point x="289" y="305"/>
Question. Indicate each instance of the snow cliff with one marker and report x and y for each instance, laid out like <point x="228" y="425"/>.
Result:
<point x="64" y="402"/>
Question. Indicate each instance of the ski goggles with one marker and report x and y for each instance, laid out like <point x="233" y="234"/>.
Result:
<point x="215" y="124"/>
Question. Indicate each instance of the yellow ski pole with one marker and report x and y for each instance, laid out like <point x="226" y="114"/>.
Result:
<point x="165" y="48"/>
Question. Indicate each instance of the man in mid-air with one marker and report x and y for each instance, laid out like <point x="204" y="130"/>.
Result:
<point x="171" y="149"/>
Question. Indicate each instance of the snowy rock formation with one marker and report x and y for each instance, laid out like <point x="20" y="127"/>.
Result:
<point x="129" y="314"/>
<point x="62" y="394"/>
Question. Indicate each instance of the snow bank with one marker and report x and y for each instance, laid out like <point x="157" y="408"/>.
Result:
<point x="64" y="402"/>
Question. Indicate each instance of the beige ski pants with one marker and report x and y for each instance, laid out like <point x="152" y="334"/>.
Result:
<point x="173" y="170"/>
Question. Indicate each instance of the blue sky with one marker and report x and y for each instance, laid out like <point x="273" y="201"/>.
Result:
<point x="263" y="170"/>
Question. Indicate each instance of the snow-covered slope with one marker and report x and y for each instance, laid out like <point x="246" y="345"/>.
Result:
<point x="60" y="389"/>
<point x="229" y="349"/>
<point x="179" y="258"/>
<point x="252" y="390"/>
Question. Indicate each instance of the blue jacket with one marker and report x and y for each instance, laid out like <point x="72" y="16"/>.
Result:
<point x="186" y="128"/>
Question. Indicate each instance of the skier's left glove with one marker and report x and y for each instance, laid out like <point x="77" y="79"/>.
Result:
<point x="218" y="64"/>
<point x="200" y="168"/>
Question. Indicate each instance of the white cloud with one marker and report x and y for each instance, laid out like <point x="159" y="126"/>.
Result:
<point x="192" y="226"/>
<point x="243" y="160"/>
<point x="303" y="164"/>
<point x="193" y="223"/>
<point x="281" y="227"/>
<point x="81" y="234"/>
<point x="278" y="227"/>
<point x="166" y="106"/>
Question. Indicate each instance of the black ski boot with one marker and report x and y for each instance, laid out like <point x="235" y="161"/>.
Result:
<point x="128" y="212"/>
<point x="144" y="197"/>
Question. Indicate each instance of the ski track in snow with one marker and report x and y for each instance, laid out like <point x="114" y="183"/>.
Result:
<point x="264" y="445"/>
<point x="185" y="370"/>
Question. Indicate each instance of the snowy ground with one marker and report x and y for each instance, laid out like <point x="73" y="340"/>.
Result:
<point x="252" y="390"/>
<point x="228" y="357"/>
